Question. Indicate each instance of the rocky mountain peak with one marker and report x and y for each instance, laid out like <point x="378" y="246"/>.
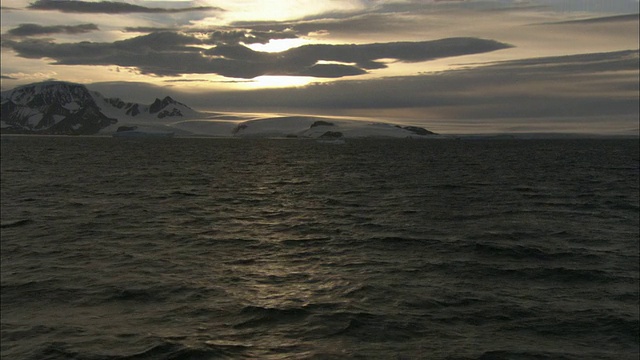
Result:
<point x="51" y="107"/>
<point x="49" y="93"/>
<point x="58" y="107"/>
<point x="161" y="104"/>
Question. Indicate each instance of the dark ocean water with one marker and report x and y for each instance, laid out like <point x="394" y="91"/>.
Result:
<point x="290" y="249"/>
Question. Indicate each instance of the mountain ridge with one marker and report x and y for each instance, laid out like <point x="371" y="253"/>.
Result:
<point x="65" y="108"/>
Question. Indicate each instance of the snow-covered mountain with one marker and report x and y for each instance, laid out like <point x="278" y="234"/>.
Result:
<point x="57" y="107"/>
<point x="302" y="127"/>
<point x="159" y="109"/>
<point x="51" y="107"/>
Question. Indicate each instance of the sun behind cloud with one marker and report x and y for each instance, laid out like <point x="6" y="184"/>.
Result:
<point x="278" y="45"/>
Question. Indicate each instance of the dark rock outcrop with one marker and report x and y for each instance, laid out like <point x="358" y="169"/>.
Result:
<point x="133" y="110"/>
<point x="331" y="135"/>
<point x="165" y="113"/>
<point x="239" y="128"/>
<point x="159" y="105"/>
<point x="418" y="130"/>
<point x="126" y="128"/>
<point x="321" y="123"/>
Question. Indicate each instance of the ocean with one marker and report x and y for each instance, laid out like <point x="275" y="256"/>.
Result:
<point x="196" y="248"/>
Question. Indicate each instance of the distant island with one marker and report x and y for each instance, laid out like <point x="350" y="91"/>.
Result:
<point x="63" y="108"/>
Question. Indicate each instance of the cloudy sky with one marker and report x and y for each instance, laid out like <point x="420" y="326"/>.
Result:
<point x="448" y="65"/>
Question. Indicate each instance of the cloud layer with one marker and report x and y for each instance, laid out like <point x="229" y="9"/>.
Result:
<point x="35" y="29"/>
<point x="579" y="85"/>
<point x="172" y="53"/>
<point x="108" y="7"/>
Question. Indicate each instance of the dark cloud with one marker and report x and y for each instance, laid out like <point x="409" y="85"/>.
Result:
<point x="571" y="64"/>
<point x="354" y="59"/>
<point x="170" y="53"/>
<point x="598" y="20"/>
<point x="364" y="55"/>
<point x="157" y="41"/>
<point x="147" y="29"/>
<point x="331" y="70"/>
<point x="216" y="36"/>
<point x="610" y="7"/>
<point x="108" y="7"/>
<point x="35" y="29"/>
<point x="412" y="7"/>
<point x="7" y="77"/>
<point x="247" y="36"/>
<point x="356" y="23"/>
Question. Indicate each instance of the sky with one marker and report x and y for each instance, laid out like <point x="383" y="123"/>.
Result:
<point x="452" y="66"/>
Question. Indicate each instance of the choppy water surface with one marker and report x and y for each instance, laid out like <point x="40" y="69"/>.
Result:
<point x="288" y="249"/>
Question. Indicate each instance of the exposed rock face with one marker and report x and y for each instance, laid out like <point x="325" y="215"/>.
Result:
<point x="161" y="104"/>
<point x="58" y="107"/>
<point x="52" y="107"/>
<point x="160" y="109"/>
<point x="239" y="128"/>
<point x="331" y="135"/>
<point x="418" y="130"/>
<point x="126" y="128"/>
<point x="165" y="113"/>
<point x="321" y="123"/>
<point x="133" y="110"/>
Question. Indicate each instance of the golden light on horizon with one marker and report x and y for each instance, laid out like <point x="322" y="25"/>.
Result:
<point x="269" y="81"/>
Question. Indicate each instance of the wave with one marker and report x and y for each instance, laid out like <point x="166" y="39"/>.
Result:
<point x="521" y="252"/>
<point x="15" y="223"/>
<point x="557" y="274"/>
<point x="162" y="351"/>
<point x="525" y="355"/>
<point x="257" y="316"/>
<point x="280" y="249"/>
